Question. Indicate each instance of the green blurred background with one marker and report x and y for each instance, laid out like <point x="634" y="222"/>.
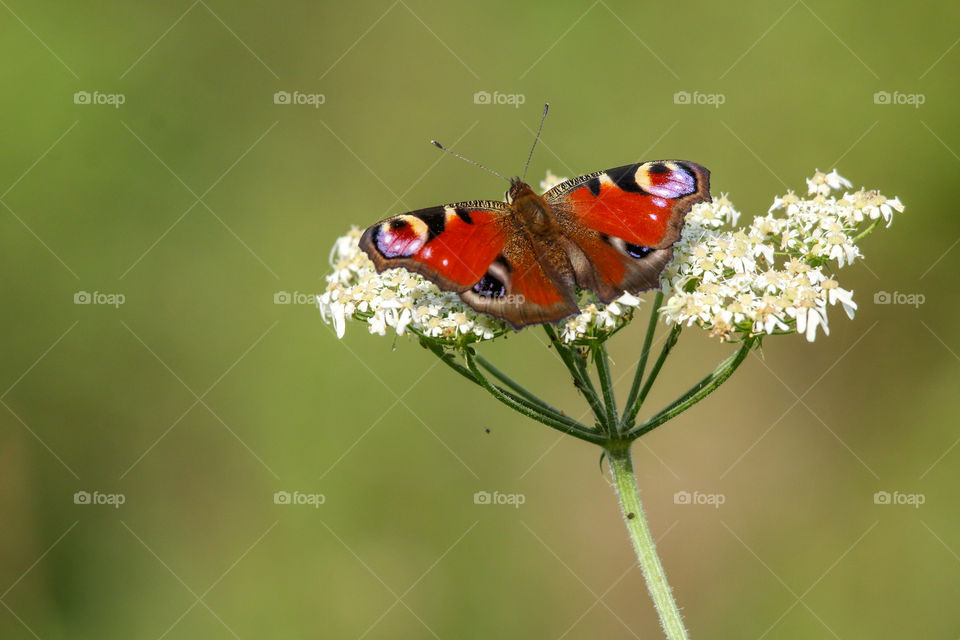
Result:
<point x="198" y="199"/>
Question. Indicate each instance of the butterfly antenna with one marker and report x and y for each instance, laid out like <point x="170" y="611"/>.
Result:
<point x="535" y="140"/>
<point x="454" y="153"/>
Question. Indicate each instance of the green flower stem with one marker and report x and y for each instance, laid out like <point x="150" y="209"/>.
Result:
<point x="518" y="388"/>
<point x="866" y="231"/>
<point x="559" y="422"/>
<point x="644" y="355"/>
<point x="580" y="362"/>
<point x="655" y="371"/>
<point x="698" y="392"/>
<point x="630" y="414"/>
<point x="446" y="357"/>
<point x="577" y="368"/>
<point x="621" y="467"/>
<point x="602" y="360"/>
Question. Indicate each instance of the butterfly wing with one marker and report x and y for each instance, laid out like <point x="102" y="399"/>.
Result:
<point x="619" y="225"/>
<point x="477" y="250"/>
<point x="450" y="245"/>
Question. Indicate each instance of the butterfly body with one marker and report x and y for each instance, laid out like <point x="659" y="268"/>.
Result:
<point x="522" y="260"/>
<point x="531" y="209"/>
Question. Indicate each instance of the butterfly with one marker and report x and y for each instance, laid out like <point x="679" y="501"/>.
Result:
<point x="523" y="260"/>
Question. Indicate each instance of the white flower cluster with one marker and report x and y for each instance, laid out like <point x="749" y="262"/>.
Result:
<point x="774" y="276"/>
<point x="766" y="278"/>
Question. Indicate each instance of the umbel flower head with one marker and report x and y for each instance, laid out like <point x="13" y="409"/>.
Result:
<point x="775" y="276"/>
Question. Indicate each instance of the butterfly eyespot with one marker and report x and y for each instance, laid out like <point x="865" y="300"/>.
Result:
<point x="400" y="237"/>
<point x="666" y="180"/>
<point x="637" y="251"/>
<point x="490" y="287"/>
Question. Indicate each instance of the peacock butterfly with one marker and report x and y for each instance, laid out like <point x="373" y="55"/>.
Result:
<point x="522" y="260"/>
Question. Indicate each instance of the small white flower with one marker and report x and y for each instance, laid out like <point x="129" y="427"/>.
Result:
<point x="550" y="181"/>
<point x="337" y="317"/>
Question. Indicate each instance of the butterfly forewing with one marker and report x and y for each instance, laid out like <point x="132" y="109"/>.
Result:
<point x="641" y="203"/>
<point x="451" y="245"/>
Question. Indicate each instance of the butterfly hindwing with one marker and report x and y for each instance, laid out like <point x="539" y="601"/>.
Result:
<point x="609" y="266"/>
<point x="522" y="287"/>
<point x="619" y="225"/>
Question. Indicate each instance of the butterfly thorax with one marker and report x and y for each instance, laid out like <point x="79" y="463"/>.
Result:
<point x="531" y="209"/>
